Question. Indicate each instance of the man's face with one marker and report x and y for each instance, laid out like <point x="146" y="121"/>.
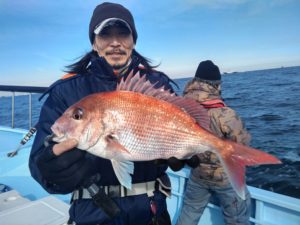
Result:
<point x="115" y="44"/>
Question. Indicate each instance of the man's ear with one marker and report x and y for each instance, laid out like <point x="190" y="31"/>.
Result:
<point x="94" y="47"/>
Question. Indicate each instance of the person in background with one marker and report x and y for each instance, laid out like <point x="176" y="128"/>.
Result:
<point x="98" y="197"/>
<point x="209" y="178"/>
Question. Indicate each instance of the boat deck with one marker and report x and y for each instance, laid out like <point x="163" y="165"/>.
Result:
<point x="31" y="201"/>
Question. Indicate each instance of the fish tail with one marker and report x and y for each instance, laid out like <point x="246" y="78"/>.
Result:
<point x="241" y="156"/>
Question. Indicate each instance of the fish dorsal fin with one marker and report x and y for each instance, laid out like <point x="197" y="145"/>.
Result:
<point x="137" y="83"/>
<point x="194" y="109"/>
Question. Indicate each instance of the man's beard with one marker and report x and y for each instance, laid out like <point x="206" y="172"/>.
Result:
<point x="119" y="66"/>
<point x="122" y="66"/>
<point x="121" y="52"/>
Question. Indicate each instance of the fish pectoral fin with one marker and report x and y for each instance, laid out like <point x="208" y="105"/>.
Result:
<point x="123" y="169"/>
<point x="114" y="144"/>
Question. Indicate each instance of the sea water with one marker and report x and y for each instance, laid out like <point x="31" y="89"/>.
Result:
<point x="268" y="101"/>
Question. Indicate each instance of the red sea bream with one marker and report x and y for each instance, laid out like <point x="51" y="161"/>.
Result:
<point x="138" y="123"/>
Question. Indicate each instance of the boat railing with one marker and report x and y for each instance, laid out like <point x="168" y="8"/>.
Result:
<point x="267" y="208"/>
<point x="29" y="90"/>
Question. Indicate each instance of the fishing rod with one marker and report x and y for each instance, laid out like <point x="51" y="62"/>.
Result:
<point x="24" y="140"/>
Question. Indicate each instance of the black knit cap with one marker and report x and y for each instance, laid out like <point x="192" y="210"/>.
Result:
<point x="108" y="10"/>
<point x="207" y="70"/>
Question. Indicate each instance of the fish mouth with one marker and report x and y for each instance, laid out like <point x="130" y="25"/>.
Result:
<point x="56" y="138"/>
<point x="57" y="135"/>
<point x="59" y="138"/>
<point x="48" y="139"/>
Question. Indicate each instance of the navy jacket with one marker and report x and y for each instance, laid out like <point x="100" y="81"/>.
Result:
<point x="64" y="93"/>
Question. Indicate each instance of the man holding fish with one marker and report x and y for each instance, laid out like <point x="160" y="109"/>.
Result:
<point x="115" y="106"/>
<point x="63" y="168"/>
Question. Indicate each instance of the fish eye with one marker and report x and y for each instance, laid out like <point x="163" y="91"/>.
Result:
<point x="77" y="114"/>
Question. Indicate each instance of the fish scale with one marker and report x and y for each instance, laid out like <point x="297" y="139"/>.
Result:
<point x="145" y="120"/>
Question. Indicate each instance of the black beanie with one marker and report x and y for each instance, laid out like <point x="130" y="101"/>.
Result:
<point x="108" y="10"/>
<point x="207" y="70"/>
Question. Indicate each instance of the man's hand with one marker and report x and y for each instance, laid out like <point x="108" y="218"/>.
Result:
<point x="177" y="164"/>
<point x="64" y="146"/>
<point x="63" y="166"/>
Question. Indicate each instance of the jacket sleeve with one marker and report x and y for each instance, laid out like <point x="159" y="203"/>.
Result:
<point x="230" y="126"/>
<point x="50" y="111"/>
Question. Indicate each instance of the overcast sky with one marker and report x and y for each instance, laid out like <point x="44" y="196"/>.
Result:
<point x="38" y="38"/>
